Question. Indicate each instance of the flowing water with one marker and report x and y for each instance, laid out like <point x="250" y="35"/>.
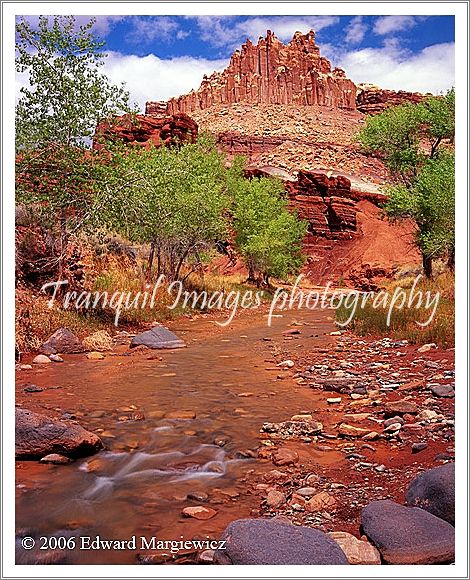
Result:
<point x="139" y="484"/>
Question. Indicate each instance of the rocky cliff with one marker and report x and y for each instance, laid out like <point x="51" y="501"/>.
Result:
<point x="270" y="72"/>
<point x="372" y="100"/>
<point x="143" y="130"/>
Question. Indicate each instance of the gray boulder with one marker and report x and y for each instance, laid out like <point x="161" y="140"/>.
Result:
<point x="434" y="491"/>
<point x="253" y="541"/>
<point x="408" y="535"/>
<point x="157" y="337"/>
<point x="63" y="341"/>
<point x="37" y="435"/>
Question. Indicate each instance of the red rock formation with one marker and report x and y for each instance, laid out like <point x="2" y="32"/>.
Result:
<point x="271" y="73"/>
<point x="372" y="100"/>
<point x="143" y="130"/>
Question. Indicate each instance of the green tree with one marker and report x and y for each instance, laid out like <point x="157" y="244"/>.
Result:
<point x="415" y="142"/>
<point x="65" y="97"/>
<point x="267" y="234"/>
<point x="173" y="198"/>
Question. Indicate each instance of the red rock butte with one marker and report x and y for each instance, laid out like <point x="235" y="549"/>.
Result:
<point x="269" y="72"/>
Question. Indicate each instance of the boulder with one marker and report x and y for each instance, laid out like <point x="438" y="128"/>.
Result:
<point x="408" y="535"/>
<point x="434" y="491"/>
<point x="267" y="542"/>
<point x="63" y="341"/>
<point x="157" y="337"/>
<point x="357" y="551"/>
<point x="38" y="436"/>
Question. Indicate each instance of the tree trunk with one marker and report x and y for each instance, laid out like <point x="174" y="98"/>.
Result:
<point x="150" y="260"/>
<point x="451" y="259"/>
<point x="427" y="265"/>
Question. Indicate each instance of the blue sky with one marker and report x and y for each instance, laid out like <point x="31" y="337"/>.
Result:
<point x="163" y="56"/>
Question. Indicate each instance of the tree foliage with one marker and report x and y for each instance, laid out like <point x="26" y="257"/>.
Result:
<point x="174" y="199"/>
<point x="416" y="144"/>
<point x="267" y="234"/>
<point x="65" y="96"/>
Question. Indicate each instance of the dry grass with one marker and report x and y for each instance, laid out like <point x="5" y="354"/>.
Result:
<point x="403" y="322"/>
<point x="100" y="340"/>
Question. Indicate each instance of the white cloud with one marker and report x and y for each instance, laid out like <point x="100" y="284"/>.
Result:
<point x="220" y="31"/>
<point x="356" y="30"/>
<point x="148" y="29"/>
<point x="387" y="24"/>
<point x="150" y="78"/>
<point x="390" y="67"/>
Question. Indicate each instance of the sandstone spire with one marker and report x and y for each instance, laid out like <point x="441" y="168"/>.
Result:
<point x="270" y="72"/>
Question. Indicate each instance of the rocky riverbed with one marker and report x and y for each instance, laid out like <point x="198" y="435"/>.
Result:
<point x="297" y="423"/>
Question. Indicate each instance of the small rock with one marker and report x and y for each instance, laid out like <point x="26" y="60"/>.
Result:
<point x="286" y="363"/>
<point x="427" y="347"/>
<point x="95" y="355"/>
<point x="351" y="431"/>
<point x="357" y="551"/>
<point x="393" y="428"/>
<point x="41" y="359"/>
<point x="400" y="408"/>
<point x="180" y="415"/>
<point x="393" y="420"/>
<point x="417" y="447"/>
<point x="33" y="389"/>
<point x="443" y="391"/>
<point x="55" y="458"/>
<point x="372" y="436"/>
<point x="333" y="400"/>
<point x="206" y="557"/>
<point x="322" y="501"/>
<point x="198" y="495"/>
<point x="56" y="358"/>
<point x="306" y="491"/>
<point x="427" y="415"/>
<point x="285" y="456"/>
<point x="275" y="499"/>
<point x="199" y="512"/>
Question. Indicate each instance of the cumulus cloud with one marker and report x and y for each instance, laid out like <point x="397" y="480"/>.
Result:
<point x="387" y="24"/>
<point x="225" y="31"/>
<point x="390" y="67"/>
<point x="356" y="30"/>
<point x="150" y="78"/>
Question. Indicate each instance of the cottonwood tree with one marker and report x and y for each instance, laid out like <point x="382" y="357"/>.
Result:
<point x="416" y="144"/>
<point x="267" y="234"/>
<point x="64" y="98"/>
<point x="173" y="198"/>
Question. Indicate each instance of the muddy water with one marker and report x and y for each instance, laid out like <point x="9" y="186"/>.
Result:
<point x="227" y="382"/>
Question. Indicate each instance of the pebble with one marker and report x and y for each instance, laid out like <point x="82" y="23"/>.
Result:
<point x="427" y="347"/>
<point x="286" y="363"/>
<point x="333" y="400"/>
<point x="33" y="389"/>
<point x="275" y="499"/>
<point x="199" y="512"/>
<point x="306" y="491"/>
<point x="95" y="355"/>
<point x="55" y="458"/>
<point x="417" y="447"/>
<point x="320" y="502"/>
<point x="56" y="358"/>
